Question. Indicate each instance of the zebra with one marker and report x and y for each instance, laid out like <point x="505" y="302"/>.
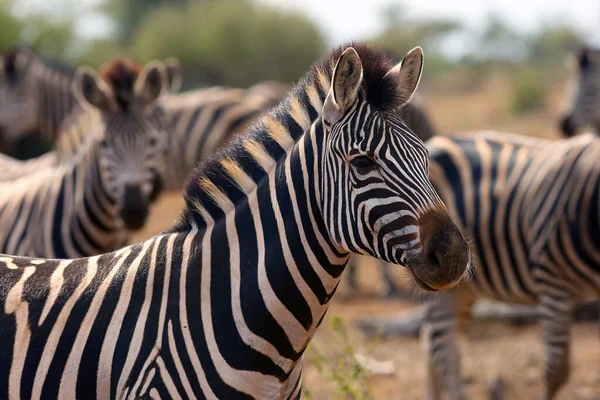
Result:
<point x="224" y="304"/>
<point x="531" y="207"/>
<point x="86" y="205"/>
<point x="36" y="94"/>
<point x="583" y="108"/>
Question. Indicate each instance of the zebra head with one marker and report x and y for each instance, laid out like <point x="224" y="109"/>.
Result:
<point x="132" y="147"/>
<point x="584" y="106"/>
<point x="376" y="195"/>
<point x="18" y="108"/>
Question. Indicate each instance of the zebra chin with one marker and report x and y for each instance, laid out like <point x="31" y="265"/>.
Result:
<point x="444" y="257"/>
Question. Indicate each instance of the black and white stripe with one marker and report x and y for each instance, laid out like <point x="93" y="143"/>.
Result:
<point x="203" y="120"/>
<point x="224" y="305"/>
<point x="531" y="207"/>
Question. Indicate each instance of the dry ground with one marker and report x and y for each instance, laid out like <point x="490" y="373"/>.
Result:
<point x="494" y="349"/>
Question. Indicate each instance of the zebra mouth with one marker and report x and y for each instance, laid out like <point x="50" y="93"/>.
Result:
<point x="422" y="283"/>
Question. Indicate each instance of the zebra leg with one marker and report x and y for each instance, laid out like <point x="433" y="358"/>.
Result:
<point x="443" y="321"/>
<point x="389" y="286"/>
<point x="556" y="313"/>
<point x="351" y="274"/>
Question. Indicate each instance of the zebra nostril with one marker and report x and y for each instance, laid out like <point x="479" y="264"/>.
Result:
<point x="433" y="259"/>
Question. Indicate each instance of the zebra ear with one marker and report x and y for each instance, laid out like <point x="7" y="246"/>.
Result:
<point x="91" y="90"/>
<point x="408" y="74"/>
<point x="173" y="69"/>
<point x="151" y="84"/>
<point x="347" y="78"/>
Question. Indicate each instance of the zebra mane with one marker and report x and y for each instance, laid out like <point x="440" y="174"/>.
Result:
<point x="10" y="56"/>
<point x="120" y="74"/>
<point x="276" y="132"/>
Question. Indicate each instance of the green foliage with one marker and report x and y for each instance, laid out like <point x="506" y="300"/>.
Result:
<point x="51" y="36"/>
<point x="234" y="42"/>
<point x="551" y="43"/>
<point x="400" y="34"/>
<point x="10" y="29"/>
<point x="343" y="368"/>
<point x="129" y="14"/>
<point x="101" y="51"/>
<point x="529" y="92"/>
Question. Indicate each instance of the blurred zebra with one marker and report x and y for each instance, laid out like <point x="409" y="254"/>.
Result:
<point x="203" y="120"/>
<point x="36" y="94"/>
<point x="225" y="303"/>
<point x="583" y="109"/>
<point x="200" y="121"/>
<point x="86" y="204"/>
<point x="531" y="207"/>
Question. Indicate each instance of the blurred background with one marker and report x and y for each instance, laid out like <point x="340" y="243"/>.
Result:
<point x="500" y="64"/>
<point x="512" y="52"/>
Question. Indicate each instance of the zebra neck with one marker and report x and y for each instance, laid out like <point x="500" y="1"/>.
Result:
<point x="95" y="214"/>
<point x="55" y="99"/>
<point x="264" y="241"/>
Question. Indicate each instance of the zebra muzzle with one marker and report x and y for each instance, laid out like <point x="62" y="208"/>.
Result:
<point x="445" y="255"/>
<point x="134" y="208"/>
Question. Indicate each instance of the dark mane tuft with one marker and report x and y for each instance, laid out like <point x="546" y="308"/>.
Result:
<point x="381" y="91"/>
<point x="120" y="74"/>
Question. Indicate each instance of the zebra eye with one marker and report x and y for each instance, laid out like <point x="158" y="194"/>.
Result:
<point x="363" y="163"/>
<point x="153" y="141"/>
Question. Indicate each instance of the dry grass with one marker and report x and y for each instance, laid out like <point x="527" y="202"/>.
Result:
<point x="493" y="349"/>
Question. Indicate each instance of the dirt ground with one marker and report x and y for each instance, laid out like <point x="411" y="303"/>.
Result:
<point x="491" y="349"/>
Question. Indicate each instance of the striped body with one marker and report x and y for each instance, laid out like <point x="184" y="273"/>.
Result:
<point x="532" y="209"/>
<point x="68" y="144"/>
<point x="60" y="211"/>
<point x="224" y="305"/>
<point x="201" y="121"/>
<point x="35" y="95"/>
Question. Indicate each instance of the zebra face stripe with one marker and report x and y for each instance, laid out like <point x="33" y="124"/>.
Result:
<point x="378" y="199"/>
